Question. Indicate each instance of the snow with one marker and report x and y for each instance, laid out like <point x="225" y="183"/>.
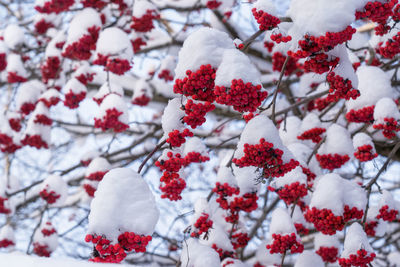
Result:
<point x="98" y="164"/>
<point x="309" y="258"/>
<point x="289" y="130"/>
<point x="234" y="263"/>
<point x="311" y="120"/>
<point x="171" y="119"/>
<point x="59" y="186"/>
<point x="195" y="254"/>
<point x="51" y="241"/>
<point x="338" y="141"/>
<point x="281" y="223"/>
<point x="209" y="45"/>
<point x="306" y="80"/>
<point x="51" y="49"/>
<point x="218" y="236"/>
<point x="141" y="6"/>
<point x="355" y="239"/>
<point x="142" y="88"/>
<point x="29" y="92"/>
<point x="370" y="78"/>
<point x="74" y="86"/>
<point x="387" y="199"/>
<point x="236" y="65"/>
<point x="344" y="68"/>
<point x="122" y="189"/>
<point x="7" y="232"/>
<point x="394" y="258"/>
<point x="14" y="36"/>
<point x="361" y="139"/>
<point x="107" y="44"/>
<point x="246" y="179"/>
<point x="17" y="259"/>
<point x="33" y="128"/>
<point x="79" y="25"/>
<point x="115" y="101"/>
<point x="267" y="6"/>
<point x="295" y="175"/>
<point x="264" y="256"/>
<point x="322" y="240"/>
<point x="106" y="89"/>
<point x="195" y="144"/>
<point x="225" y="175"/>
<point x="354" y="195"/>
<point x="380" y="229"/>
<point x="386" y="108"/>
<point x="15" y="64"/>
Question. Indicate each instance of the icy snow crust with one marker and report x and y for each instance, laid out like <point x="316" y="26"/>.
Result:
<point x="122" y="190"/>
<point x="209" y="45"/>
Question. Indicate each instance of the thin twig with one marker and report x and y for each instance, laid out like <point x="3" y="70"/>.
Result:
<point x="150" y="155"/>
<point x="277" y="88"/>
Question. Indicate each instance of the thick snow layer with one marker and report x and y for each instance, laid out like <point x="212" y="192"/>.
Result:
<point x="7" y="232"/>
<point x="33" y="128"/>
<point x="59" y="186"/>
<point x="195" y="254"/>
<point x="171" y="119"/>
<point x="142" y="88"/>
<point x="114" y="42"/>
<point x="344" y="68"/>
<point x="234" y="263"/>
<point x="105" y="89"/>
<point x="51" y="49"/>
<point x="380" y="229"/>
<point x="311" y="120"/>
<point x="281" y="223"/>
<point x="122" y="189"/>
<point x="141" y="6"/>
<point x="370" y="79"/>
<point x="309" y="258"/>
<point x="209" y="45"/>
<point x="295" y="175"/>
<point x="356" y="239"/>
<point x="353" y="194"/>
<point x="17" y="259"/>
<point x="267" y="6"/>
<point x="13" y="36"/>
<point x="236" y="65"/>
<point x="387" y="199"/>
<point x="289" y="130"/>
<point x="29" y="92"/>
<point x="361" y="139"/>
<point x="264" y="256"/>
<point x="246" y="179"/>
<point x="322" y="240"/>
<point x="328" y="193"/>
<point x="98" y="164"/>
<point x="15" y="64"/>
<point x="306" y="80"/>
<point x="386" y="108"/>
<point x="219" y="236"/>
<point x="338" y="141"/>
<point x="75" y="86"/>
<point x="195" y="144"/>
<point x="81" y="22"/>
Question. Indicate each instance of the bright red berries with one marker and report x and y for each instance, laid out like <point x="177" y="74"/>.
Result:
<point x="115" y="65"/>
<point x="196" y="112"/>
<point x="378" y="12"/>
<point x="177" y="138"/>
<point x="365" y="153"/>
<point x="145" y="22"/>
<point x="199" y="84"/>
<point x="111" y="121"/>
<point x="331" y="161"/>
<point x="3" y="208"/>
<point x="365" y="114"/>
<point x="239" y="240"/>
<point x="213" y="4"/>
<point x="81" y="49"/>
<point x="283" y="243"/>
<point x="265" y="20"/>
<point x="72" y="100"/>
<point x="35" y="141"/>
<point x="340" y="88"/>
<point x="202" y="225"/>
<point x="328" y="254"/>
<point x="362" y="258"/>
<point x="389" y="127"/>
<point x="278" y="38"/>
<point x="55" y="6"/>
<point x="166" y="75"/>
<point x="390" y="48"/>
<point x="242" y="96"/>
<point x="49" y="197"/>
<point x="50" y="68"/>
<point x="387" y="214"/>
<point x="41" y="250"/>
<point x="278" y="59"/>
<point x="292" y="192"/>
<point x="313" y="134"/>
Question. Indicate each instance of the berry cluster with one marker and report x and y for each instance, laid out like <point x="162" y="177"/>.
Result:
<point x="131" y="241"/>
<point x="177" y="138"/>
<point x="7" y="144"/>
<point x="199" y="84"/>
<point x="89" y="189"/>
<point x="301" y="229"/>
<point x="389" y="127"/>
<point x="265" y="20"/>
<point x="42" y="26"/>
<point x="282" y="243"/>
<point x="365" y="153"/>
<point x="4" y="243"/>
<point x="166" y="75"/>
<point x="172" y="186"/>
<point x="13" y="77"/>
<point x="328" y="254"/>
<point x="247" y="203"/>
<point x="72" y="99"/>
<point x="239" y="240"/>
<point x="324" y="220"/>
<point x="84" y="78"/>
<point x="320" y="63"/>
<point x="97" y="4"/>
<point x="3" y="61"/>
<point x="386" y="214"/>
<point x="278" y="59"/>
<point x="142" y="100"/>
<point x="269" y="45"/>
<point x="278" y="38"/>
<point x="196" y="112"/>
<point x="369" y="227"/>
<point x="3" y="208"/>
<point x="49" y="196"/>
<point x="378" y="12"/>
<point x="55" y="6"/>
<point x="115" y="65"/>
<point x="222" y="253"/>
<point x="263" y="155"/>
<point x="15" y="124"/>
<point x="173" y="164"/>
<point x="43" y="119"/>
<point x="137" y="43"/>
<point x="145" y="22"/>
<point x="35" y="141"/>
<point x="202" y="225"/>
<point x="81" y="49"/>
<point x="50" y="230"/>
<point x="352" y="213"/>
<point x="331" y="161"/>
<point x="340" y="88"/>
<point x="50" y="68"/>
<point x="313" y="134"/>
<point x="213" y="4"/>
<point x="41" y="250"/>
<point x="96" y="176"/>
<point x="110" y="121"/>
<point x="362" y="258"/>
<point x="391" y="47"/>
<point x="292" y="192"/>
<point x="223" y="191"/>
<point x="365" y="114"/>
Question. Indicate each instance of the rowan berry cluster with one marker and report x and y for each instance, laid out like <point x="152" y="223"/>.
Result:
<point x="13" y="77"/>
<point x="362" y="258"/>
<point x="340" y="88"/>
<point x="242" y="96"/>
<point x="4" y="243"/>
<point x="96" y="176"/>
<point x="48" y="230"/>
<point x="378" y="12"/>
<point x="81" y="49"/>
<point x="115" y="65"/>
<point x="265" y="20"/>
<point x="7" y="144"/>
<point x="3" y="61"/>
<point x="331" y="161"/>
<point x="43" y="119"/>
<point x="223" y="253"/>
<point x="320" y="63"/>
<point x="213" y="4"/>
<point x="301" y="229"/>
<point x="365" y="114"/>
<point x="97" y="4"/>
<point x="72" y="99"/>
<point x="110" y="121"/>
<point x="15" y="124"/>
<point x="247" y="202"/>
<point x="166" y="75"/>
<point x="352" y="213"/>
<point x="196" y="112"/>
<point x="278" y="38"/>
<point x="269" y="45"/>
<point x="3" y="208"/>
<point x="223" y="191"/>
<point x="389" y="128"/>
<point x="370" y="227"/>
<point x="41" y="250"/>
<point x="387" y="214"/>
<point x="391" y="47"/>
<point x="89" y="189"/>
<point x="42" y="26"/>
<point x="142" y="100"/>
<point x="172" y="186"/>
<point x="202" y="225"/>
<point x="324" y="220"/>
<point x="365" y="153"/>
<point x="137" y="43"/>
<point x="177" y="138"/>
<point x="145" y="22"/>
<point x="55" y="6"/>
<point x="239" y="240"/>
<point x="313" y="134"/>
<point x="278" y="59"/>
<point x="292" y="192"/>
<point x="283" y="243"/>
<point x="49" y="196"/>
<point x="328" y="254"/>
<point x="263" y="155"/>
<point x="199" y="84"/>
<point x="35" y="141"/>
